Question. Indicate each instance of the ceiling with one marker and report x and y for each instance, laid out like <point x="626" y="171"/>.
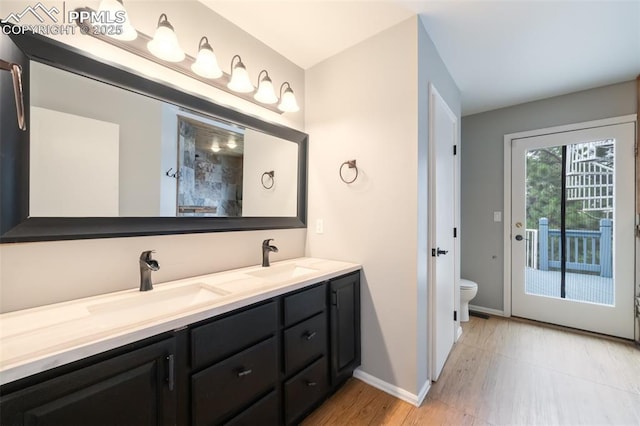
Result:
<point x="499" y="53"/>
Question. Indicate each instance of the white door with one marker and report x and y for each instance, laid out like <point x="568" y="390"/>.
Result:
<point x="572" y="229"/>
<point x="443" y="191"/>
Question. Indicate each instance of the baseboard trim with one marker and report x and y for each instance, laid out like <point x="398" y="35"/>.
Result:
<point x="459" y="333"/>
<point x="393" y="390"/>
<point x="484" y="310"/>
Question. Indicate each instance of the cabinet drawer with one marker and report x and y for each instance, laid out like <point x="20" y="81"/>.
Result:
<point x="263" y="412"/>
<point x="304" y="304"/>
<point x="217" y="340"/>
<point x="305" y="390"/>
<point x="305" y="342"/>
<point x="222" y="389"/>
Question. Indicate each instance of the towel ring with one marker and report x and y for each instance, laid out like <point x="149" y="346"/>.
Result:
<point x="352" y="165"/>
<point x="269" y="174"/>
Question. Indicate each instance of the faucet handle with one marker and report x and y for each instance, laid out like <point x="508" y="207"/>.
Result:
<point x="146" y="255"/>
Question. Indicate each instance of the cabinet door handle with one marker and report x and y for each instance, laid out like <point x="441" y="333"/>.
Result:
<point x="336" y="301"/>
<point x="310" y="335"/>
<point x="311" y="384"/>
<point x="16" y="74"/>
<point x="171" y="378"/>
<point x="246" y="372"/>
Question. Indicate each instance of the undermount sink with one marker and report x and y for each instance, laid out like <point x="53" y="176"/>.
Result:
<point x="282" y="272"/>
<point x="156" y="303"/>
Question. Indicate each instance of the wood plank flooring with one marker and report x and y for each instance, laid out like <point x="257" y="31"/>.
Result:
<point x="509" y="372"/>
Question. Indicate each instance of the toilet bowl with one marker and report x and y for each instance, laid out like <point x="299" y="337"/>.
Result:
<point x="468" y="290"/>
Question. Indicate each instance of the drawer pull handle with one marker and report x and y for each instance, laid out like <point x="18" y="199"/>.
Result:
<point x="245" y="372"/>
<point x="310" y="335"/>
<point x="311" y="384"/>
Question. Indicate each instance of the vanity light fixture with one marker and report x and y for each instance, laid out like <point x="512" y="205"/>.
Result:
<point x="215" y="147"/>
<point x="164" y="44"/>
<point x="239" y="81"/>
<point x="231" y="143"/>
<point x="164" y="49"/>
<point x="206" y="64"/>
<point x="115" y="9"/>
<point x="265" y="93"/>
<point x="288" y="101"/>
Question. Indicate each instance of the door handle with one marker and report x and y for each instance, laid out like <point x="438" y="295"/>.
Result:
<point x="519" y="237"/>
<point x="438" y="252"/>
<point x="171" y="378"/>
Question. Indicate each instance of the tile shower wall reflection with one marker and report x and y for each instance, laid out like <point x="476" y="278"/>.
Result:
<point x="209" y="183"/>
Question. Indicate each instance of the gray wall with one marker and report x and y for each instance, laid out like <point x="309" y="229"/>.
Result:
<point x="483" y="169"/>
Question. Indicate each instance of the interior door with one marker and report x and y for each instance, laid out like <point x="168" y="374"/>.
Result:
<point x="443" y="199"/>
<point x="572" y="230"/>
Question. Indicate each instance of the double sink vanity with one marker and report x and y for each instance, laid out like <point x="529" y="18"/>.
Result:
<point x="257" y="345"/>
<point x="249" y="346"/>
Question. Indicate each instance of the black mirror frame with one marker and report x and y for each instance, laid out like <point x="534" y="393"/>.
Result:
<point x="16" y="226"/>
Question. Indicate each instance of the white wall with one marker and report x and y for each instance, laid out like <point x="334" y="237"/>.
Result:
<point x="263" y="153"/>
<point x="71" y="269"/>
<point x="359" y="107"/>
<point x="74" y="165"/>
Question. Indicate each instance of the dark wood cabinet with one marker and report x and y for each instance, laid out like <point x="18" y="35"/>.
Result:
<point x="344" y="294"/>
<point x="224" y="389"/>
<point x="135" y="388"/>
<point x="270" y="363"/>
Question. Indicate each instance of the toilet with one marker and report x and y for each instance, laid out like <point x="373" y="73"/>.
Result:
<point x="468" y="290"/>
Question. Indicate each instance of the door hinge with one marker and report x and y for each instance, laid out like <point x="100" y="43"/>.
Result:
<point x="455" y="232"/>
<point x="433" y="252"/>
<point x="455" y="150"/>
<point x="455" y="315"/>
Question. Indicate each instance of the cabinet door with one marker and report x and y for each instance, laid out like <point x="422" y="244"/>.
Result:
<point x="131" y="389"/>
<point x="345" y="327"/>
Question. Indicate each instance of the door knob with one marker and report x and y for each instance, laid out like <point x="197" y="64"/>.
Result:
<point x="519" y="237"/>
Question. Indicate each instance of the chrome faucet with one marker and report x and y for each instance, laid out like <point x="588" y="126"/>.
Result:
<point x="266" y="249"/>
<point x="147" y="265"/>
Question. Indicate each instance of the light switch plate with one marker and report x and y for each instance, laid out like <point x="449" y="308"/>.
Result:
<point x="497" y="216"/>
<point x="319" y="226"/>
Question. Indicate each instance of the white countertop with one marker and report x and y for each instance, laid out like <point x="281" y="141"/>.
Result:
<point x="38" y="339"/>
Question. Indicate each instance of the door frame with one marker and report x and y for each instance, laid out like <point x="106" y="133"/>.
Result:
<point x="508" y="140"/>
<point x="431" y="350"/>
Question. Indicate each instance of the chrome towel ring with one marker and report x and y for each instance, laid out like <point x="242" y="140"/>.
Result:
<point x="270" y="175"/>
<point x="352" y="165"/>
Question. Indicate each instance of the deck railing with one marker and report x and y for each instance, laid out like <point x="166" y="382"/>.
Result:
<point x="587" y="251"/>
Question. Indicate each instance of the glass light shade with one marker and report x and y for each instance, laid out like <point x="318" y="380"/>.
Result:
<point x="128" y="32"/>
<point x="165" y="43"/>
<point x="288" y="101"/>
<point x="265" y="93"/>
<point x="231" y="143"/>
<point x="240" y="81"/>
<point x="206" y="64"/>
<point x="215" y="147"/>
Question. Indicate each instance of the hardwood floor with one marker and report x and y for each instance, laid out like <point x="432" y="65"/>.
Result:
<point x="509" y="372"/>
